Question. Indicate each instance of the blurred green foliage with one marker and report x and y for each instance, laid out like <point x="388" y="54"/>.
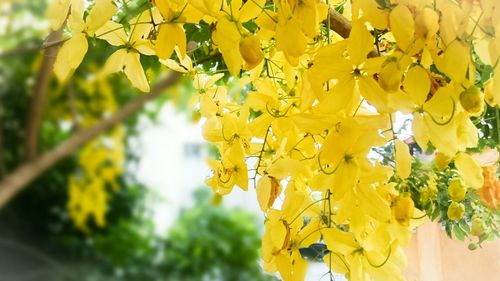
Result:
<point x="212" y="242"/>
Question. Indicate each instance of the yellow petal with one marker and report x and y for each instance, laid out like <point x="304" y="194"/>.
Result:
<point x="373" y="204"/>
<point x="346" y="176"/>
<point x="403" y="159"/>
<point x="173" y="65"/>
<point x="113" y="33"/>
<point x="343" y="98"/>
<point x="134" y="72"/>
<point x="115" y="62"/>
<point x="441" y="105"/>
<point x="339" y="241"/>
<point x="166" y="8"/>
<point x="360" y="43"/>
<point x="144" y="47"/>
<point x="290" y="39"/>
<point x="57" y="13"/>
<point x="427" y="23"/>
<point x="70" y="56"/>
<point x="212" y="129"/>
<point x="373" y="94"/>
<point x="420" y="131"/>
<point x="170" y="35"/>
<point x="227" y="38"/>
<point x="285" y="167"/>
<point x="100" y="13"/>
<point x="496" y="86"/>
<point x="377" y="241"/>
<point x="377" y="17"/>
<point x="448" y="63"/>
<point x="251" y="10"/>
<point x="139" y="28"/>
<point x="418" y="84"/>
<point x="470" y="170"/>
<point x="268" y="189"/>
<point x="402" y="26"/>
<point x="278" y="234"/>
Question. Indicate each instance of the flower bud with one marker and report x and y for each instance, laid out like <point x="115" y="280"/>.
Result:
<point x="250" y="51"/>
<point x="457" y="190"/>
<point x="477" y="227"/>
<point x="455" y="211"/>
<point x="442" y="161"/>
<point x="403" y="210"/>
<point x="472" y="246"/>
<point x="472" y="100"/>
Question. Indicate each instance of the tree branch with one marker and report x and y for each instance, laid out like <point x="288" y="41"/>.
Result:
<point x="343" y="26"/>
<point x="339" y="23"/>
<point x="72" y="104"/>
<point x="32" y="48"/>
<point x="34" y="118"/>
<point x="26" y="173"/>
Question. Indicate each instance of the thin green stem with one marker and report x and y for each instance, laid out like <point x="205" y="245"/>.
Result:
<point x="260" y="155"/>
<point x="305" y="209"/>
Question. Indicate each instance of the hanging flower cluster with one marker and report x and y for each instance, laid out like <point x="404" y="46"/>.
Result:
<point x="312" y="108"/>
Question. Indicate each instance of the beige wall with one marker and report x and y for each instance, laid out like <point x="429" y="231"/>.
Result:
<point x="432" y="256"/>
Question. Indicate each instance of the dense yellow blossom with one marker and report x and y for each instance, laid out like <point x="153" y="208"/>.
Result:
<point x="316" y="106"/>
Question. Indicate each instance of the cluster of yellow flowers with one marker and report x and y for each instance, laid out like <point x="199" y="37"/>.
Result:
<point x="101" y="162"/>
<point x="316" y="105"/>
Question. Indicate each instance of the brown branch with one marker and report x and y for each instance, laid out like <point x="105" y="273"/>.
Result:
<point x="343" y="26"/>
<point x="26" y="173"/>
<point x="339" y="23"/>
<point x="34" y="118"/>
<point x="19" y="51"/>
<point x="33" y="48"/>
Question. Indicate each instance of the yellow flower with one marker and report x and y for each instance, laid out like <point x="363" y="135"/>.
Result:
<point x="230" y="30"/>
<point x="73" y="51"/>
<point x="171" y="32"/>
<point x="374" y="255"/>
<point x="353" y="74"/>
<point x="127" y="59"/>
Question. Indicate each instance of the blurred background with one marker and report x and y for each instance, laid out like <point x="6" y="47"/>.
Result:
<point x="132" y="203"/>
